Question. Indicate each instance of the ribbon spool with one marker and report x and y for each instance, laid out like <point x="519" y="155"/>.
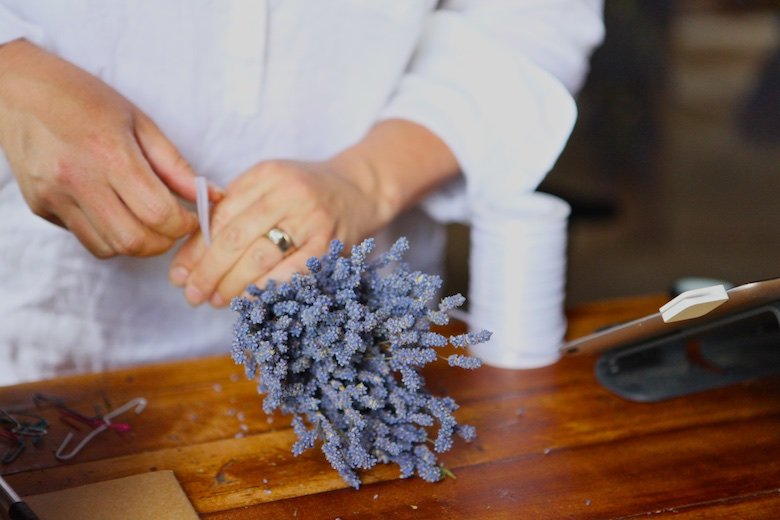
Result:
<point x="517" y="281"/>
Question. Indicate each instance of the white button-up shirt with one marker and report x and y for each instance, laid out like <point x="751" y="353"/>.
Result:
<point x="234" y="82"/>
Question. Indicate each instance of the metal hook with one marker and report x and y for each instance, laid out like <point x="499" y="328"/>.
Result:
<point x="139" y="403"/>
<point x="16" y="432"/>
<point x="12" y="453"/>
<point x="71" y="417"/>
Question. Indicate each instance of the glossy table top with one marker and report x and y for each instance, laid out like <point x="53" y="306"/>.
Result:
<point x="552" y="443"/>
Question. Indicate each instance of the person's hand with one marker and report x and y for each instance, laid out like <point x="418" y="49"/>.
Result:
<point x="87" y="159"/>
<point x="347" y="197"/>
<point x="312" y="202"/>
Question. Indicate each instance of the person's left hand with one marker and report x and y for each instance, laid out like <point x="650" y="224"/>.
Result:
<point x="313" y="202"/>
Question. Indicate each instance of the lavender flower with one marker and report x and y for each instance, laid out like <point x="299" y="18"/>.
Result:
<point x="457" y="360"/>
<point x="341" y="348"/>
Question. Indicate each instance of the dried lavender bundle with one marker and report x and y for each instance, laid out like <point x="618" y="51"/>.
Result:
<point x="341" y="348"/>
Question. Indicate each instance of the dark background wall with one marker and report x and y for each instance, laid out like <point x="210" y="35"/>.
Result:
<point x="674" y="167"/>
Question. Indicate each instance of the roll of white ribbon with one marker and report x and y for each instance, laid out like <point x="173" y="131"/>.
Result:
<point x="517" y="281"/>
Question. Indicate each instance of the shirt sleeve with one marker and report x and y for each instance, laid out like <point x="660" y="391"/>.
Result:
<point x="12" y="28"/>
<point x="494" y="79"/>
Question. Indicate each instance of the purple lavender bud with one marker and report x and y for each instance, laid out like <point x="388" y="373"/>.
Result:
<point x="257" y="314"/>
<point x="399" y="325"/>
<point x="432" y="339"/>
<point x="429" y="472"/>
<point x="438" y="317"/>
<point x="444" y="438"/>
<point x="422" y="419"/>
<point x="411" y="378"/>
<point x="336" y="247"/>
<point x="457" y="360"/>
<point x="313" y="264"/>
<point x="414" y="356"/>
<point x="395" y="254"/>
<point x="451" y="302"/>
<point x="470" y="338"/>
<point x="467" y="432"/>
<point x="407" y="465"/>
<point x="362" y="250"/>
<point x="254" y="290"/>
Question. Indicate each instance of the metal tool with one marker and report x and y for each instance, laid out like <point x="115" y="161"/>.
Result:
<point x="139" y="403"/>
<point x="12" y="505"/>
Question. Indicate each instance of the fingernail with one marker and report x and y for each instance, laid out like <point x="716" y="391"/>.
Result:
<point x="217" y="300"/>
<point x="216" y="193"/>
<point x="193" y="295"/>
<point x="179" y="276"/>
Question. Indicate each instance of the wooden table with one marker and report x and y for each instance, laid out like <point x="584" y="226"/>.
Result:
<point x="551" y="444"/>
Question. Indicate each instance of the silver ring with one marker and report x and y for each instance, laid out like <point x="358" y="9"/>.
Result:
<point x="280" y="239"/>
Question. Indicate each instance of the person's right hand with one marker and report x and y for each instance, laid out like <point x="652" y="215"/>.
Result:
<point x="87" y="159"/>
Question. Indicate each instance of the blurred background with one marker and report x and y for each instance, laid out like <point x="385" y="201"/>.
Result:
<point x="673" y="169"/>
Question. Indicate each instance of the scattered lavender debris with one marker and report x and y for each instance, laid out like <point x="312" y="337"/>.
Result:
<point x="341" y="348"/>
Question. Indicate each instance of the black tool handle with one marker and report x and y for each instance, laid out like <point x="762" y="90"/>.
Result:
<point x="21" y="511"/>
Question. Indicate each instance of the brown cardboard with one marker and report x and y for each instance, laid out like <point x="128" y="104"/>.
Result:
<point x="155" y="495"/>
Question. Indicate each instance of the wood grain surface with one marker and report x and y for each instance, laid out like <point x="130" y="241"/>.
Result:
<point x="551" y="443"/>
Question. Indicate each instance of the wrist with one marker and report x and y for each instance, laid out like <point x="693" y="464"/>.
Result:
<point x="14" y="56"/>
<point x="398" y="163"/>
<point x="358" y="168"/>
<point x="11" y="53"/>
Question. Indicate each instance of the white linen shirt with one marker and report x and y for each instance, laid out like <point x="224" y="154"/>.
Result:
<point x="234" y="82"/>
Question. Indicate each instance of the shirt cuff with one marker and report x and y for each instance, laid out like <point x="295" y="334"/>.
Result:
<point x="504" y="118"/>
<point x="13" y="28"/>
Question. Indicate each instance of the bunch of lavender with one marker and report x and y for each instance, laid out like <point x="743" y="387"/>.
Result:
<point x="341" y="348"/>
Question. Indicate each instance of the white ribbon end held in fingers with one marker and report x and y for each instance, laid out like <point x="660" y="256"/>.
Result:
<point x="202" y="202"/>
